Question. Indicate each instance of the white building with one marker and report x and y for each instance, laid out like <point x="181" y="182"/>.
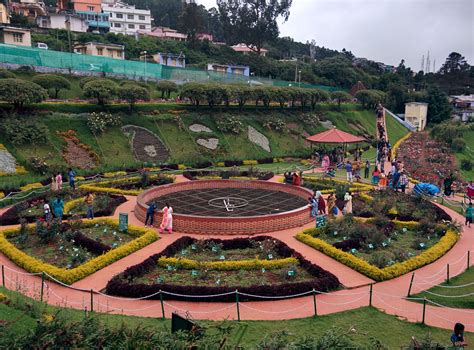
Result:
<point x="63" y="21"/>
<point x="416" y="113"/>
<point x="126" y="19"/>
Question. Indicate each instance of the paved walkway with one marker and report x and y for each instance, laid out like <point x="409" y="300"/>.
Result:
<point x="388" y="296"/>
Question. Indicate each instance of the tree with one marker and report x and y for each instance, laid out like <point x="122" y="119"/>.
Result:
<point x="101" y="89"/>
<point x="166" y="87"/>
<point x="340" y="96"/>
<point x="242" y="94"/>
<point x="454" y="63"/>
<point x="20" y="92"/>
<point x="253" y="22"/>
<point x="439" y="108"/>
<point x="132" y="93"/>
<point x="191" y="20"/>
<point x="195" y="92"/>
<point x="370" y="98"/>
<point x="396" y="98"/>
<point x="53" y="82"/>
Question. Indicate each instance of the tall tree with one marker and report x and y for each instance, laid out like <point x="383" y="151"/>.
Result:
<point x="454" y="63"/>
<point x="191" y="20"/>
<point x="253" y="22"/>
<point x="439" y="108"/>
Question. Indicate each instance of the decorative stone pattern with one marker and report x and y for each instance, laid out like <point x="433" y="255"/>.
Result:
<point x="327" y="124"/>
<point x="258" y="138"/>
<point x="209" y="143"/>
<point x="146" y="146"/>
<point x="244" y="225"/>
<point x="7" y="162"/>
<point x="199" y="128"/>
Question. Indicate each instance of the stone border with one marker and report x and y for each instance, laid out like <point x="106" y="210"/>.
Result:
<point x="244" y="225"/>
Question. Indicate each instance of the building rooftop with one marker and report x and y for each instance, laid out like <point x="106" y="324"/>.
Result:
<point x="417" y="103"/>
<point x="100" y="44"/>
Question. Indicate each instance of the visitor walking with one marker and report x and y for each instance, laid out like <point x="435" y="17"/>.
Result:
<point x="314" y="206"/>
<point x="382" y="181"/>
<point x="71" y="174"/>
<point x="469" y="215"/>
<point x="288" y="178"/>
<point x="54" y="184"/>
<point x="457" y="338"/>
<point x="59" y="181"/>
<point x="167" y="221"/>
<point x="321" y="203"/>
<point x="150" y="213"/>
<point x="332" y="209"/>
<point x="448" y="183"/>
<point x="403" y="182"/>
<point x="89" y="200"/>
<point x="296" y="179"/>
<point x="47" y="211"/>
<point x="347" y="203"/>
<point x="376" y="176"/>
<point x="349" y="170"/>
<point x="470" y="190"/>
<point x="367" y="169"/>
<point x="58" y="208"/>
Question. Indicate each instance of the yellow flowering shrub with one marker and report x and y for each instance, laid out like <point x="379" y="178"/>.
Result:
<point x="69" y="276"/>
<point x="68" y="206"/>
<point x="427" y="257"/>
<point x="115" y="174"/>
<point x="398" y="143"/>
<point x="3" y="298"/>
<point x="365" y="197"/>
<point x="31" y="186"/>
<point x="250" y="162"/>
<point x="243" y="178"/>
<point x="2" y="195"/>
<point x="2" y="147"/>
<point x="253" y="264"/>
<point x="47" y="318"/>
<point x="20" y="170"/>
<point x="182" y="167"/>
<point x="305" y="162"/>
<point x="80" y="178"/>
<point x="209" y="177"/>
<point x="220" y="164"/>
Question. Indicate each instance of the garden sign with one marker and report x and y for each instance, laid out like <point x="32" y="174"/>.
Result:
<point x="321" y="221"/>
<point x="123" y="222"/>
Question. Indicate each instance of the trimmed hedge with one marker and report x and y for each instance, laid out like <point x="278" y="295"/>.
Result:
<point x="224" y="174"/>
<point x="69" y="276"/>
<point x="107" y="186"/>
<point x="90" y="244"/>
<point x="121" y="285"/>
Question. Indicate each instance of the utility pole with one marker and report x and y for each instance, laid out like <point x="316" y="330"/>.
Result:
<point x="428" y="63"/>
<point x="422" y="63"/>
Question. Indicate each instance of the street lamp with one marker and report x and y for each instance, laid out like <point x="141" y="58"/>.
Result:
<point x="145" y="53"/>
<point x="299" y="78"/>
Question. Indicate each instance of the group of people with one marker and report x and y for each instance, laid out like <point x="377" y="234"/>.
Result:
<point x="354" y="168"/>
<point x="318" y="204"/>
<point x="57" y="180"/>
<point x="384" y="149"/>
<point x="166" y="222"/>
<point x="294" y="178"/>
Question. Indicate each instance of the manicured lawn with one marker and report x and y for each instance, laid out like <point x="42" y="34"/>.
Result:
<point x="366" y="322"/>
<point x="395" y="130"/>
<point x="466" y="301"/>
<point x="468" y="153"/>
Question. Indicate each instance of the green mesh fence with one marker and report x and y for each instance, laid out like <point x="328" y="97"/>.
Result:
<point x="26" y="56"/>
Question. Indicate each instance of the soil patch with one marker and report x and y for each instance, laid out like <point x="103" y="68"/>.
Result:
<point x="146" y="146"/>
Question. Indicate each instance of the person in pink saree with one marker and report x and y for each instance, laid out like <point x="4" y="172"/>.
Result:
<point x="167" y="221"/>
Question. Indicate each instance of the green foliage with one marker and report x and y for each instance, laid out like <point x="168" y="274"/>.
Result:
<point x="439" y="108"/>
<point x="340" y="191"/>
<point x="195" y="92"/>
<point x="166" y="87"/>
<point x="52" y="82"/>
<point x="340" y="96"/>
<point x="370" y="98"/>
<point x="103" y="90"/>
<point x="98" y="122"/>
<point x="466" y="164"/>
<point x="6" y="74"/>
<point x="19" y="92"/>
<point x="85" y="80"/>
<point x="458" y="145"/>
<point x="24" y="131"/>
<point x="132" y="93"/>
<point x="229" y="124"/>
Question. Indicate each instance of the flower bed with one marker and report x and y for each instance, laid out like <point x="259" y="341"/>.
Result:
<point x="230" y="174"/>
<point x="131" y="186"/>
<point x="25" y="248"/>
<point x="329" y="185"/>
<point x="32" y="209"/>
<point x="395" y="249"/>
<point x="260" y="266"/>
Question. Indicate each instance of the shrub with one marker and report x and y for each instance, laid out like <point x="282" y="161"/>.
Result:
<point x="195" y="92"/>
<point x="52" y="82"/>
<point x="25" y="132"/>
<point x="466" y="164"/>
<point x="19" y="92"/>
<point x="166" y="87"/>
<point x="340" y="96"/>
<point x="458" y="145"/>
<point x="229" y="125"/>
<point x="98" y="122"/>
<point x="6" y="74"/>
<point x="103" y="90"/>
<point x="85" y="80"/>
<point x="133" y="93"/>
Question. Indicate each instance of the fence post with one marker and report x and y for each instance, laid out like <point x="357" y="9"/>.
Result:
<point x="92" y="300"/>
<point x="162" y="305"/>
<point x="237" y="303"/>
<point x="468" y="259"/>
<point x="314" y="301"/>
<point x="370" y="295"/>
<point x="3" y="276"/>
<point x="447" y="274"/>
<point x="411" y="283"/>
<point x="42" y="286"/>
<point x="424" y="311"/>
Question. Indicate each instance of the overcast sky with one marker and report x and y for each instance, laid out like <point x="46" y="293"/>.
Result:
<point x="385" y="30"/>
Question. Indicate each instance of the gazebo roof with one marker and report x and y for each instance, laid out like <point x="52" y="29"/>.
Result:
<point x="335" y="136"/>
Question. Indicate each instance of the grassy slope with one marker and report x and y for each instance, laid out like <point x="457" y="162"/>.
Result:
<point x="461" y="280"/>
<point x="468" y="153"/>
<point x="114" y="150"/>
<point x="366" y="321"/>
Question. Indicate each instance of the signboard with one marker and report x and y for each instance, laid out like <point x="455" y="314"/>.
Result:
<point x="321" y="221"/>
<point x="123" y="222"/>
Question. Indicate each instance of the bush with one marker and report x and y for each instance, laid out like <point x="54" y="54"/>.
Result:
<point x="229" y="125"/>
<point x="103" y="90"/>
<point x="19" y="92"/>
<point x="458" y="145"/>
<point x="24" y="132"/>
<point x="466" y="164"/>
<point x="85" y="80"/>
<point x="98" y="122"/>
<point x="166" y="87"/>
<point x="6" y="74"/>
<point x="132" y="93"/>
<point x="52" y="82"/>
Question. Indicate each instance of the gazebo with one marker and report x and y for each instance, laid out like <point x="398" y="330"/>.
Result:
<point x="335" y="136"/>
